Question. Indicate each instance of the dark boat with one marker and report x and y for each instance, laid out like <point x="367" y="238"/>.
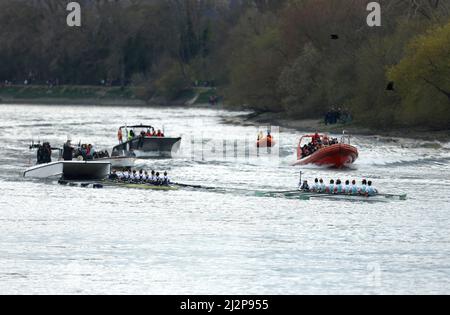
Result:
<point x="144" y="145"/>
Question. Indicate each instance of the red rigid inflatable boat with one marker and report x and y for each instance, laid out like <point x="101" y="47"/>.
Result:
<point x="337" y="155"/>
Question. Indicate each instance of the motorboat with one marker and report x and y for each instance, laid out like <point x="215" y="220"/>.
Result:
<point x="328" y="153"/>
<point x="145" y="145"/>
<point x="71" y="170"/>
<point x="77" y="169"/>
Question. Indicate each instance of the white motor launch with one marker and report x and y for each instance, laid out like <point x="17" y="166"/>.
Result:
<point x="72" y="170"/>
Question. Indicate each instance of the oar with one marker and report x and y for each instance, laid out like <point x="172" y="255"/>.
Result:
<point x="401" y="197"/>
<point x="194" y="186"/>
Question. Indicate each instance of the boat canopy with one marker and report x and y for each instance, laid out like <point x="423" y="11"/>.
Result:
<point x="137" y="126"/>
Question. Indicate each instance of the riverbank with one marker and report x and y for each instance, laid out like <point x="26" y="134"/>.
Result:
<point x="99" y="95"/>
<point x="196" y="97"/>
<point x="71" y="95"/>
<point x="318" y="125"/>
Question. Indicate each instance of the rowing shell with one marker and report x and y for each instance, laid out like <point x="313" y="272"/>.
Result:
<point x="143" y="186"/>
<point x="310" y="195"/>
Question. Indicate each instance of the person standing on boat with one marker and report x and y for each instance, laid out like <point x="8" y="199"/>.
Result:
<point x="141" y="140"/>
<point x="68" y="151"/>
<point x="120" y="135"/>
<point x="131" y="135"/>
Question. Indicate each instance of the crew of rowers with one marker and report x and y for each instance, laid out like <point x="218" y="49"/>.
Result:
<point x="130" y="135"/>
<point x="338" y="188"/>
<point x="141" y="177"/>
<point x="316" y="144"/>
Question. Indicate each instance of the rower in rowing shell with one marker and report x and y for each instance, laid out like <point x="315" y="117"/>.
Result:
<point x="166" y="179"/>
<point x="158" y="179"/>
<point x="305" y="186"/>
<point x="339" y="188"/>
<point x="153" y="177"/>
<point x="134" y="177"/>
<point x="331" y="187"/>
<point x="370" y="191"/>
<point x="353" y="188"/>
<point x="322" y="186"/>
<point x="347" y="187"/>
<point x="316" y="186"/>
<point x="362" y="191"/>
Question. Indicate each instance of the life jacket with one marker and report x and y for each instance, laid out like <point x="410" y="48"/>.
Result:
<point x="338" y="189"/>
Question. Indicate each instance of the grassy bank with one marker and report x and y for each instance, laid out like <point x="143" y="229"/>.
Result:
<point x="39" y="94"/>
<point x="97" y="95"/>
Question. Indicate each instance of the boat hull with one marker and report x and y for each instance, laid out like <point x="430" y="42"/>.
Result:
<point x="71" y="170"/>
<point x="142" y="186"/>
<point x="338" y="155"/>
<point x="149" y="147"/>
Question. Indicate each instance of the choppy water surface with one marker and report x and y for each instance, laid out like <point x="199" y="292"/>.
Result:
<point x="57" y="239"/>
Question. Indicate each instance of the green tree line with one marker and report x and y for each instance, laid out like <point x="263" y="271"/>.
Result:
<point x="300" y="57"/>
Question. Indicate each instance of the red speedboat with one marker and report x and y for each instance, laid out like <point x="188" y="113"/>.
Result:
<point x="337" y="155"/>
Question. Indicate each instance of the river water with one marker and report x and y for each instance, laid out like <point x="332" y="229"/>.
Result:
<point x="69" y="240"/>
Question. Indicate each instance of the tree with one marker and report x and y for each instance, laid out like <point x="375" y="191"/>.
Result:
<point x="423" y="78"/>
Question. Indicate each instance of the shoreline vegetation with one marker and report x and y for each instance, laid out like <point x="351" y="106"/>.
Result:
<point x="290" y="60"/>
<point x="197" y="97"/>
